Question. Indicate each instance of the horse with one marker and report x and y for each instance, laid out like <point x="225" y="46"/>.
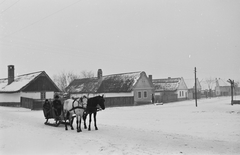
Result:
<point x="92" y="108"/>
<point x="71" y="107"/>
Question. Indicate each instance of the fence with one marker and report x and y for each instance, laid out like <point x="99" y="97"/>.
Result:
<point x="33" y="104"/>
<point x="119" y="101"/>
<point x="169" y="98"/>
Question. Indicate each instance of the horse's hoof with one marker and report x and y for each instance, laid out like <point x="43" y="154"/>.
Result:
<point x="79" y="131"/>
<point x="89" y="129"/>
<point x="72" y="128"/>
<point x="66" y="129"/>
<point x="96" y="128"/>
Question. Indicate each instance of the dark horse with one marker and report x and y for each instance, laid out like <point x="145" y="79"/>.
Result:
<point x="92" y="108"/>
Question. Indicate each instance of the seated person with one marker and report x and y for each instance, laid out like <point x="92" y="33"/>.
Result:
<point x="46" y="109"/>
<point x="57" y="105"/>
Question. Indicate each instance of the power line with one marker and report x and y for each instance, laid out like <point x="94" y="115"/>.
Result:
<point x="9" y="6"/>
<point x="3" y="1"/>
<point x="40" y="20"/>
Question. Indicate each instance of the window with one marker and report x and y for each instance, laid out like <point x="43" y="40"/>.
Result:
<point x="139" y="95"/>
<point x="43" y="95"/>
<point x="145" y="94"/>
<point x="180" y="93"/>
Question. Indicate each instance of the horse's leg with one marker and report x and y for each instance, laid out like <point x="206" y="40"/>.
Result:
<point x="65" y="119"/>
<point x="77" y="122"/>
<point x="79" y="127"/>
<point x="71" y="122"/>
<point x="95" y="121"/>
<point x="84" y="120"/>
<point x="90" y="120"/>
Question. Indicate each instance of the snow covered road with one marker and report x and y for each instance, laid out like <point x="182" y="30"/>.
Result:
<point x="175" y="128"/>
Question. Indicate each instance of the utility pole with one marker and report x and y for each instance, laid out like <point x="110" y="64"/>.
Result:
<point x="232" y="85"/>
<point x="195" y="73"/>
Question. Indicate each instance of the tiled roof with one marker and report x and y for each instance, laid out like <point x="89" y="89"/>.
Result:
<point x="170" y="84"/>
<point x="18" y="83"/>
<point x="123" y="82"/>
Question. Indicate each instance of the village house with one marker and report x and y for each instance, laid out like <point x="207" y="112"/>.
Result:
<point x="37" y="85"/>
<point x="222" y="88"/>
<point x="170" y="89"/>
<point x="191" y="88"/>
<point x="131" y="88"/>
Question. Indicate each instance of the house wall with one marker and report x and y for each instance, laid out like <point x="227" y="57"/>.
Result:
<point x="182" y="90"/>
<point x="130" y="94"/>
<point x="34" y="95"/>
<point x="143" y="91"/>
<point x="37" y="95"/>
<point x="14" y="99"/>
<point x="182" y="94"/>
<point x="10" y="97"/>
<point x="225" y="90"/>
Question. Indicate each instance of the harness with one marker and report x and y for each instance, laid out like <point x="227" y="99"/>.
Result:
<point x="77" y="107"/>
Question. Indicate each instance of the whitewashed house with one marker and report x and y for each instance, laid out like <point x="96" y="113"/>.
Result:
<point x="170" y="89"/>
<point x="191" y="88"/>
<point x="119" y="89"/>
<point x="37" y="85"/>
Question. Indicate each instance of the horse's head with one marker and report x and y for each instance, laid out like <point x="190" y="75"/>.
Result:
<point x="101" y="101"/>
<point x="84" y="100"/>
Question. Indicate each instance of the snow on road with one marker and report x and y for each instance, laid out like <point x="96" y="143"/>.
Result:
<point x="175" y="128"/>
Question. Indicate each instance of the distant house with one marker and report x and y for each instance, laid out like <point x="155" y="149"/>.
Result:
<point x="208" y="87"/>
<point x="170" y="89"/>
<point x="37" y="85"/>
<point x="222" y="88"/>
<point x="118" y="89"/>
<point x="191" y="88"/>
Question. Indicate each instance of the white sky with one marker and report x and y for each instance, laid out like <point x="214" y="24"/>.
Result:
<point x="165" y="38"/>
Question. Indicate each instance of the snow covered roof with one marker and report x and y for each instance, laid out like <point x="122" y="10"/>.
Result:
<point x="18" y="83"/>
<point x="123" y="82"/>
<point x="208" y="85"/>
<point x="191" y="83"/>
<point x="169" y="84"/>
<point x="223" y="82"/>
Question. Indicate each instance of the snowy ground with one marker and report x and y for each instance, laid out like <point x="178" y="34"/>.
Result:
<point x="175" y="128"/>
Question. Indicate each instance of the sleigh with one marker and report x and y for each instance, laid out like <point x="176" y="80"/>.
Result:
<point x="51" y="118"/>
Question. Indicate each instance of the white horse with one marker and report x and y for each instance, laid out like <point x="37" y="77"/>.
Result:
<point x="77" y="107"/>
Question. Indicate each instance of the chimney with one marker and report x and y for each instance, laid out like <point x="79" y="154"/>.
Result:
<point x="10" y="74"/>
<point x="99" y="73"/>
<point x="150" y="77"/>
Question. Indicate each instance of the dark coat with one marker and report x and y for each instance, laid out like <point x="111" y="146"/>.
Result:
<point x="57" y="105"/>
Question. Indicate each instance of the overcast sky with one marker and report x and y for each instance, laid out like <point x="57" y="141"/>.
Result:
<point x="164" y="38"/>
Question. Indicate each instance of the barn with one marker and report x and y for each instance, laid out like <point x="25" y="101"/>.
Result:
<point x="36" y="85"/>
<point x="124" y="89"/>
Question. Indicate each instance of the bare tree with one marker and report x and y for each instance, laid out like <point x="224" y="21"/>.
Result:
<point x="87" y="74"/>
<point x="210" y="82"/>
<point x="63" y="79"/>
